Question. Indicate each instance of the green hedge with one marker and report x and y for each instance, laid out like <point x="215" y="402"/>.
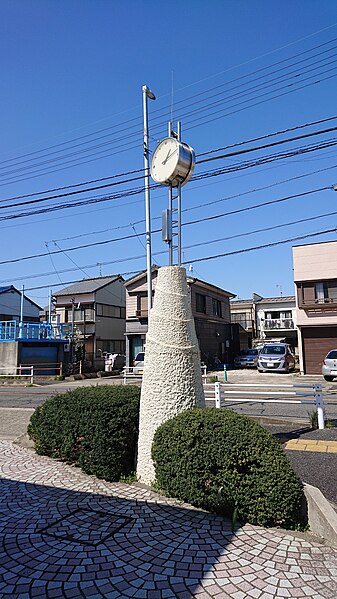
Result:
<point x="227" y="463"/>
<point x="95" y="428"/>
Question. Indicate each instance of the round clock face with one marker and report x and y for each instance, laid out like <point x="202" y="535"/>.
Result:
<point x="165" y="159"/>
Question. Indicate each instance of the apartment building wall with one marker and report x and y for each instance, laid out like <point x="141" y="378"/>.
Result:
<point x="315" y="277"/>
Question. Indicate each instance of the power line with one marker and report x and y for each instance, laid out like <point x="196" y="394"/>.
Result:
<point x="268" y="135"/>
<point x="123" y="174"/>
<point x="186" y="247"/>
<point x="204" y="204"/>
<point x="209" y="218"/>
<point x="37" y="193"/>
<point x="270" y="145"/>
<point x="88" y="149"/>
<point x="132" y="120"/>
<point x="207" y="174"/>
<point x="262" y="247"/>
<point x="222" y="156"/>
<point x="217" y="256"/>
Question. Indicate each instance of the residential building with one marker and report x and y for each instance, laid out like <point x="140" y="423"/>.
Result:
<point x="210" y="308"/>
<point x="10" y="305"/>
<point x="315" y="277"/>
<point x="28" y="341"/>
<point x="266" y="318"/>
<point x="95" y="310"/>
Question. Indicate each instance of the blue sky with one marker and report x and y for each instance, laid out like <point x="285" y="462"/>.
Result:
<point x="71" y="79"/>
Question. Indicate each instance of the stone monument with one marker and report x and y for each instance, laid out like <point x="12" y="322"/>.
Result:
<point x="172" y="380"/>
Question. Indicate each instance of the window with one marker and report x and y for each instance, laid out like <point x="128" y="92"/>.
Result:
<point x="200" y="303"/>
<point x="110" y="346"/>
<point x="326" y="291"/>
<point x="85" y="313"/>
<point x="277" y="314"/>
<point x="110" y="311"/>
<point x="217" y="307"/>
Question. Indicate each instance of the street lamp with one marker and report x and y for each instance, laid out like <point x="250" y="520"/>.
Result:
<point x="147" y="93"/>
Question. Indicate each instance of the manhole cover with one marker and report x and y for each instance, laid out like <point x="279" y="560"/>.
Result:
<point x="87" y="527"/>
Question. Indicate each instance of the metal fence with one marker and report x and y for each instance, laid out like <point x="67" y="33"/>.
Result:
<point x="259" y="393"/>
<point x="135" y="373"/>
<point x="18" y="372"/>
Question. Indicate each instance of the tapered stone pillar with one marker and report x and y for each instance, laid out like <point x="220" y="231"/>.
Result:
<point x="172" y="379"/>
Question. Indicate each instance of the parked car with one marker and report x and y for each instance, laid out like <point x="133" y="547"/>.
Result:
<point x="276" y="357"/>
<point x="329" y="366"/>
<point x="138" y="363"/>
<point x="247" y="358"/>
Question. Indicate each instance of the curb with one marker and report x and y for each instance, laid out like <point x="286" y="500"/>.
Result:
<point x="322" y="518"/>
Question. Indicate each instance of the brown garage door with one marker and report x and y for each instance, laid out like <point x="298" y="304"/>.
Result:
<point x="316" y="344"/>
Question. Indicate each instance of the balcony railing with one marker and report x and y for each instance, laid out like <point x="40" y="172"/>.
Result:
<point x="323" y="303"/>
<point x="271" y="324"/>
<point x="13" y="330"/>
<point x="246" y="323"/>
<point x="142" y="313"/>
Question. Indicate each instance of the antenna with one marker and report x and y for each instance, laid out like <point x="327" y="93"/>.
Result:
<point x="280" y="288"/>
<point x="172" y="92"/>
<point x="100" y="268"/>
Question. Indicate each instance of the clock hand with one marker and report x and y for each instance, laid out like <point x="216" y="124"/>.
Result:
<point x="169" y="155"/>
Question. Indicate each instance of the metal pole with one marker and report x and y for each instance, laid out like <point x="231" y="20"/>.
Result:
<point x="147" y="94"/>
<point x="179" y="204"/>
<point x="49" y="315"/>
<point x="170" y="207"/>
<point x="21" y="312"/>
<point x="72" y="329"/>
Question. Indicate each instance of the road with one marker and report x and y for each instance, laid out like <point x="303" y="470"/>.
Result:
<point x="18" y="403"/>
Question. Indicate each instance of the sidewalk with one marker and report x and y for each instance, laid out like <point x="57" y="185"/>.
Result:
<point x="66" y="534"/>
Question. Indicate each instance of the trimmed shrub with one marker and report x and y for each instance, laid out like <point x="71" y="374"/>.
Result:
<point x="227" y="463"/>
<point x="95" y="428"/>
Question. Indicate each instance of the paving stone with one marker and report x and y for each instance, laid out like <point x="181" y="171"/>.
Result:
<point x="69" y="535"/>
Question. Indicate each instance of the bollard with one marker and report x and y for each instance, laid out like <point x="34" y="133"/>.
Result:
<point x="319" y="405"/>
<point x="217" y="392"/>
<point x="224" y="373"/>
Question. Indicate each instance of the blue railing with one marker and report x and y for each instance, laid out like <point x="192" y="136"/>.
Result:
<point x="13" y="330"/>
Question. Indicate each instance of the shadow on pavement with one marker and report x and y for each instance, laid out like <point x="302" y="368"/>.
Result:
<point x="63" y="543"/>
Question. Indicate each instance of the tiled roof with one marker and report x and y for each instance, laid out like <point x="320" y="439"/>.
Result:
<point x="241" y="301"/>
<point x="190" y="279"/>
<point x="87" y="285"/>
<point x="266" y="300"/>
<point x="277" y="300"/>
<point x="7" y="288"/>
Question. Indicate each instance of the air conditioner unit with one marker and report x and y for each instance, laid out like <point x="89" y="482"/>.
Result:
<point x="55" y="319"/>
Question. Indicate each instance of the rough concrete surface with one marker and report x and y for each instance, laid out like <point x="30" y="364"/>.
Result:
<point x="172" y="373"/>
<point x="321" y="516"/>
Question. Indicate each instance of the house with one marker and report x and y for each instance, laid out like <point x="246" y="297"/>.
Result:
<point x="266" y="318"/>
<point x="210" y="308"/>
<point x="27" y="341"/>
<point x="95" y="310"/>
<point x="315" y="277"/>
<point x="10" y="305"/>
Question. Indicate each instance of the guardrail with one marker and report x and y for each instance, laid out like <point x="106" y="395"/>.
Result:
<point x="9" y="372"/>
<point x="300" y="394"/>
<point x="131" y="372"/>
<point x="45" y="368"/>
<point x="134" y="372"/>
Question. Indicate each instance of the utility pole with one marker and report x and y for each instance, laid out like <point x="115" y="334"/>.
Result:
<point x="147" y="93"/>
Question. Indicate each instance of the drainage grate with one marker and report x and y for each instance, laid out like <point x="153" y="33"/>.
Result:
<point x="87" y="527"/>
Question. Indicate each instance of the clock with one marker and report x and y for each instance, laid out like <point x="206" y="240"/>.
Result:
<point x="172" y="162"/>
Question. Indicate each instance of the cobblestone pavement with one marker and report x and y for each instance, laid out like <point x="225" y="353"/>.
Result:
<point x="66" y="534"/>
